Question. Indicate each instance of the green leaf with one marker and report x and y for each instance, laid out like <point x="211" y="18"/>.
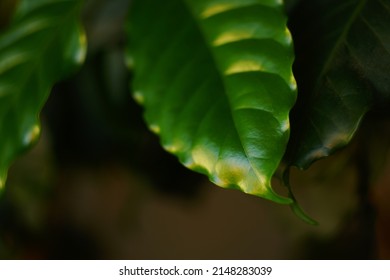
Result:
<point x="342" y="70"/>
<point x="216" y="82"/>
<point x="43" y="43"/>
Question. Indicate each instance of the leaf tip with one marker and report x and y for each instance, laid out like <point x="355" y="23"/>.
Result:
<point x="297" y="210"/>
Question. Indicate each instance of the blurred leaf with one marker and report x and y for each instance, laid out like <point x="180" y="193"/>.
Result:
<point x="342" y="70"/>
<point x="43" y="43"/>
<point x="216" y="82"/>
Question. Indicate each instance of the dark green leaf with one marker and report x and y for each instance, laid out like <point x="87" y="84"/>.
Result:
<point x="42" y="44"/>
<point x="342" y="69"/>
<point x="215" y="79"/>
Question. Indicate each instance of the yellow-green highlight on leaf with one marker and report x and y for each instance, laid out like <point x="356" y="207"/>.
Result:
<point x="215" y="79"/>
<point x="42" y="44"/>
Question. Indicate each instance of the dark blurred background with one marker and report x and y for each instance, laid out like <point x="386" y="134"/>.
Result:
<point x="99" y="186"/>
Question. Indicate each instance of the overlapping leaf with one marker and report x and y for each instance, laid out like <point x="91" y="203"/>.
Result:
<point x="43" y="43"/>
<point x="343" y="70"/>
<point x="215" y="79"/>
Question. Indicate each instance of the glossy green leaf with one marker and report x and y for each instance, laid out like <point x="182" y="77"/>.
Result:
<point x="43" y="43"/>
<point x="342" y="69"/>
<point x="216" y="82"/>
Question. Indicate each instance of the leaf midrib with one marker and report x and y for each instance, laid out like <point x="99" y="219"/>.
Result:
<point x="220" y="76"/>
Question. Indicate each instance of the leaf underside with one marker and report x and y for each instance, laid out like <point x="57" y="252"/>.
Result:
<point x="43" y="43"/>
<point x="342" y="70"/>
<point x="215" y="79"/>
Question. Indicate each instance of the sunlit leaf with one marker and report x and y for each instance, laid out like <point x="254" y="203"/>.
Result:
<point x="215" y="79"/>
